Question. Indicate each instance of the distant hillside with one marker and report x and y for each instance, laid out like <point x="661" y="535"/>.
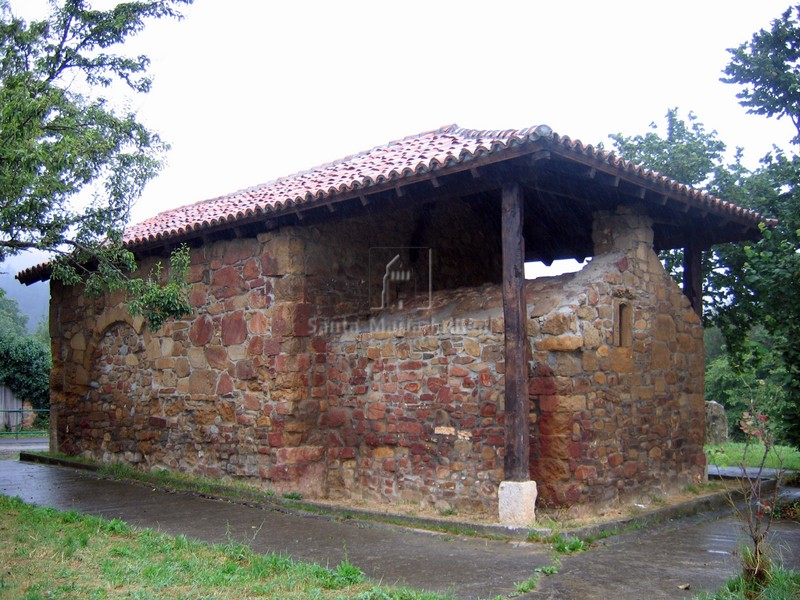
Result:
<point x="33" y="299"/>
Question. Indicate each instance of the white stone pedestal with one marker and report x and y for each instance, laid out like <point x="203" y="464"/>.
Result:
<point x="517" y="503"/>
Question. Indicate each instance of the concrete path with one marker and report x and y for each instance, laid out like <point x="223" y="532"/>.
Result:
<point x="646" y="564"/>
<point x="653" y="564"/>
<point x="470" y="568"/>
<point x="718" y="472"/>
<point x="10" y="444"/>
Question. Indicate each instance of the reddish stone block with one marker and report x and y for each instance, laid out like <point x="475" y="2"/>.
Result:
<point x="409" y="427"/>
<point x="258" y="323"/>
<point x="224" y="385"/>
<point x="435" y="384"/>
<point x="417" y="448"/>
<point x="548" y="403"/>
<point x="245" y="370"/>
<point x="347" y="453"/>
<point x="376" y="411"/>
<point x="217" y="357"/>
<point x="234" y="329"/>
<point x="239" y="250"/>
<point x="251" y="270"/>
<point x="226" y="283"/>
<point x="550" y="470"/>
<point x="336" y="417"/>
<point x="458" y="371"/>
<point x="198" y="296"/>
<point x="542" y="386"/>
<point x="488" y="409"/>
<point x="272" y="347"/>
<point x="157" y="422"/>
<point x="543" y="370"/>
<point x="555" y="423"/>
<point x="303" y="325"/>
<point x="269" y="265"/>
<point x="412" y="365"/>
<point x="300" y="454"/>
<point x="496" y="440"/>
<point x="202" y="331"/>
<point x="319" y="344"/>
<point x="586" y="472"/>
<point x="255" y="346"/>
<point x="575" y="450"/>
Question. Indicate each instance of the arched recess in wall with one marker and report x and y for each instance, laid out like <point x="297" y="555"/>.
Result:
<point x="117" y="366"/>
<point x="109" y="319"/>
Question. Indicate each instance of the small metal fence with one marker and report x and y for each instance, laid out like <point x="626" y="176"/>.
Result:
<point x="24" y="422"/>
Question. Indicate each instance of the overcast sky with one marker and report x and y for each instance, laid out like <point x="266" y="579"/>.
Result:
<point x="248" y="90"/>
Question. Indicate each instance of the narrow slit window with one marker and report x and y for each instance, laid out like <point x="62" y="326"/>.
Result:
<point x="624" y="333"/>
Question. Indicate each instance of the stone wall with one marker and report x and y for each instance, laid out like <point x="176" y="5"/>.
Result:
<point x="282" y="378"/>
<point x="618" y="377"/>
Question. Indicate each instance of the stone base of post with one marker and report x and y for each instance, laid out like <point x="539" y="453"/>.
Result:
<point x="517" y="503"/>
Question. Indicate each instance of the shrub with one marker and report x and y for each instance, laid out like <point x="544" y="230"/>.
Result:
<point x="25" y="369"/>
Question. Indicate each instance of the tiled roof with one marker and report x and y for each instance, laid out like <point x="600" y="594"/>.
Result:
<point x="427" y="152"/>
<point x="423" y="153"/>
<point x="431" y="153"/>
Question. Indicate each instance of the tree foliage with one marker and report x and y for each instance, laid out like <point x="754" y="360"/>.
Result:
<point x="25" y="368"/>
<point x="767" y="67"/>
<point x="60" y="136"/>
<point x="685" y="151"/>
<point x="758" y="378"/>
<point x="12" y="321"/>
<point x="746" y="286"/>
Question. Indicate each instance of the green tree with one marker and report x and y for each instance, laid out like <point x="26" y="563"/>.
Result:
<point x="42" y="332"/>
<point x="25" y="369"/>
<point x="59" y="136"/>
<point x="758" y="376"/>
<point x="750" y="360"/>
<point x="767" y="69"/>
<point x="685" y="151"/>
<point x="12" y="321"/>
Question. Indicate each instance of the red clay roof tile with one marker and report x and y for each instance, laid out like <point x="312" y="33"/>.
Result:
<point x="395" y="161"/>
<point x="428" y="152"/>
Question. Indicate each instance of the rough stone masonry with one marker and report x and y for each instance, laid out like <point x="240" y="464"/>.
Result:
<point x="283" y="378"/>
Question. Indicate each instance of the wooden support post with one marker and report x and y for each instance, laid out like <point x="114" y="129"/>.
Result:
<point x="693" y="276"/>
<point x="517" y="408"/>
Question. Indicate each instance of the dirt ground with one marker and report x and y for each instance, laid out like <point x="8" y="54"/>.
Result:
<point x="562" y="518"/>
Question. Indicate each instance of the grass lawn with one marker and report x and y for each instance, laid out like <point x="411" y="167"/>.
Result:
<point x="730" y="455"/>
<point x="50" y="554"/>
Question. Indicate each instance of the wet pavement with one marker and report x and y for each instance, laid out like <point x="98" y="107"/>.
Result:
<point x="658" y="562"/>
<point x="650" y="563"/>
<point x="10" y="444"/>
<point x="471" y="568"/>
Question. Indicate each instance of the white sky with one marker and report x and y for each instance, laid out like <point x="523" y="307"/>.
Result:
<point x="250" y="90"/>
